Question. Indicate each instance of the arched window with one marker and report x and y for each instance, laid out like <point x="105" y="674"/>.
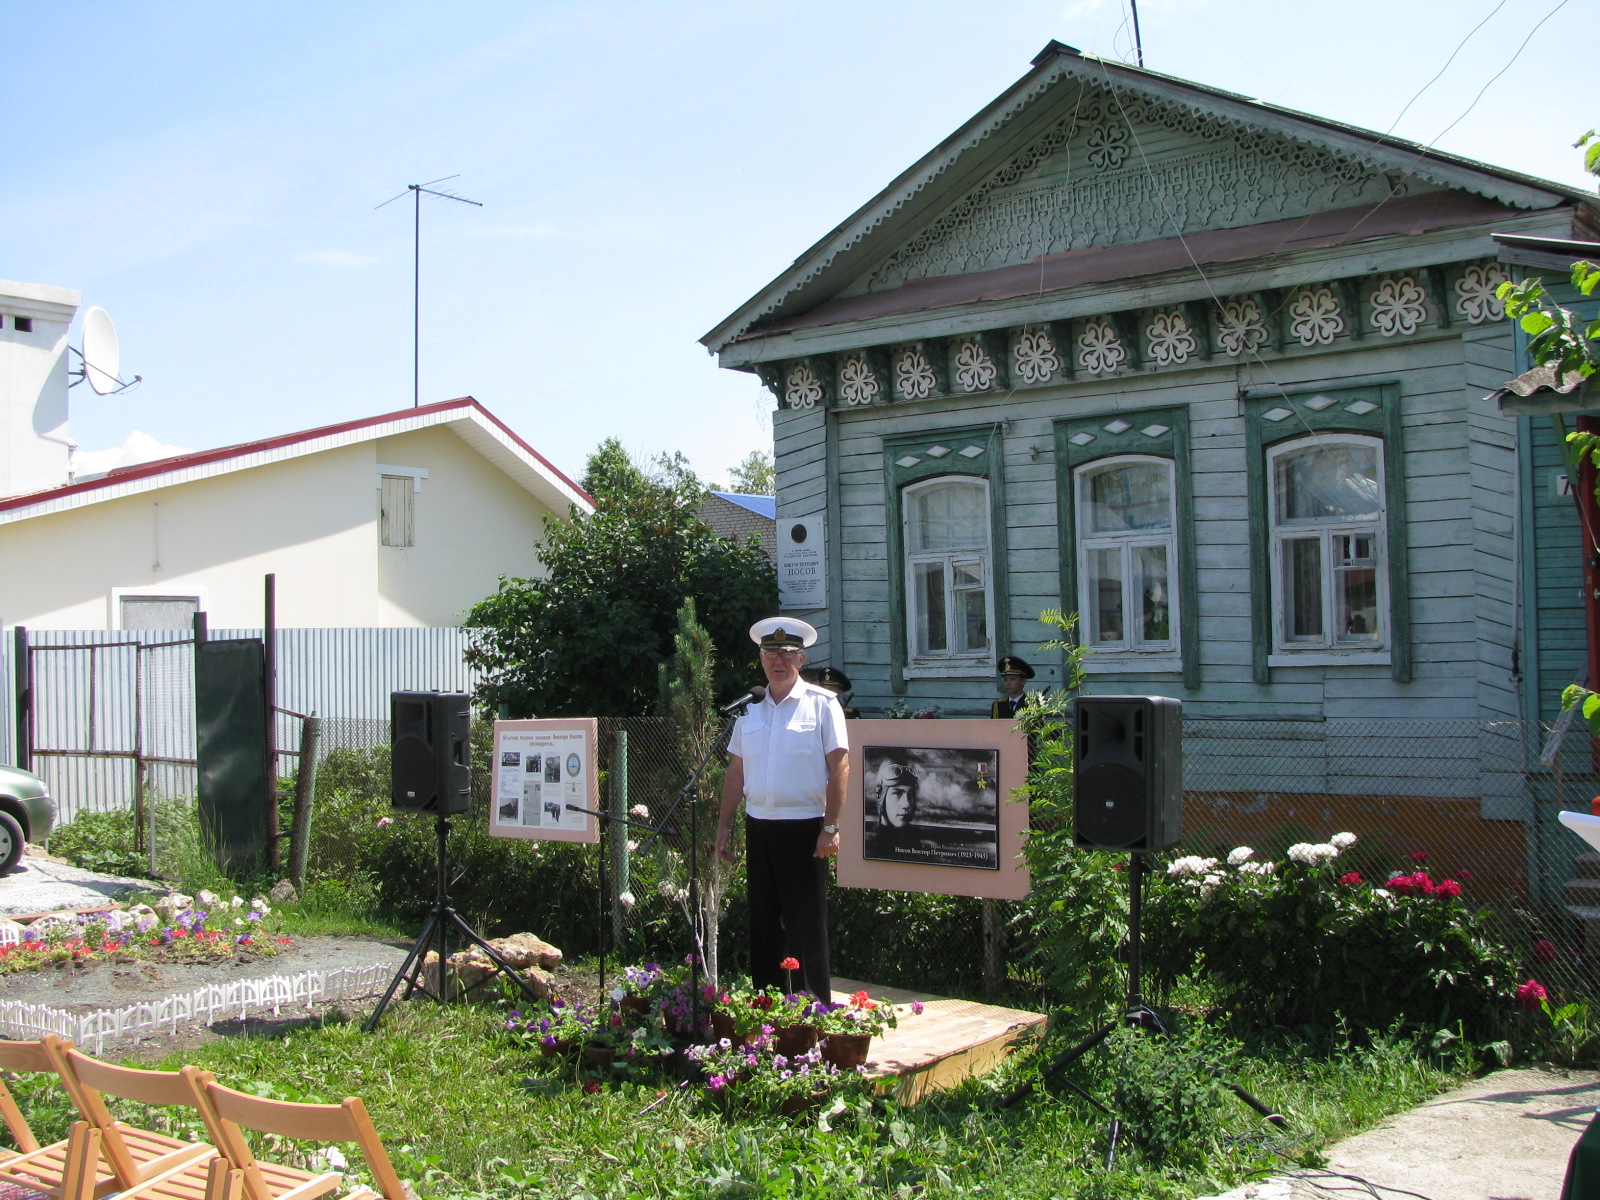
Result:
<point x="1127" y="555"/>
<point x="948" y="569"/>
<point x="1328" y="554"/>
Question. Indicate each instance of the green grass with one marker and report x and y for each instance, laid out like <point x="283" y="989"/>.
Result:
<point x="466" y="1112"/>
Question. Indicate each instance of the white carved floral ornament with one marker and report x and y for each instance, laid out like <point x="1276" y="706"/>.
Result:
<point x="858" y="383"/>
<point x="1171" y="340"/>
<point x="1241" y="328"/>
<point x="804" y="388"/>
<point x="914" y="374"/>
<point x="974" y="371"/>
<point x="1037" y="359"/>
<point x="1314" y="317"/>
<point x="1475" y="298"/>
<point x="1100" y="350"/>
<point x="1399" y="305"/>
<point x="1108" y="145"/>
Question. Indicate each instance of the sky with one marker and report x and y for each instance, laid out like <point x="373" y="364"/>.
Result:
<point x="209" y="174"/>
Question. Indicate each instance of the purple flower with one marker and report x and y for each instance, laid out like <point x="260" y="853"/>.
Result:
<point x="916" y="1008"/>
<point x="718" y="1082"/>
<point x="252" y="916"/>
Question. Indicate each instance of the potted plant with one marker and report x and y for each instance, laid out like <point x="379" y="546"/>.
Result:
<point x="636" y="992"/>
<point x="554" y="1027"/>
<point x="848" y="1028"/>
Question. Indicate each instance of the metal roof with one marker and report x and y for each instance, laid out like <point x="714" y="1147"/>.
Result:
<point x="762" y="506"/>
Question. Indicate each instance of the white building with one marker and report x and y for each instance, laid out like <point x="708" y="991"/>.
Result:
<point x="403" y="519"/>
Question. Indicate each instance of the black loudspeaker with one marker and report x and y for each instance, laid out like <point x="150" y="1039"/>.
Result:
<point x="1128" y="772"/>
<point x="429" y="767"/>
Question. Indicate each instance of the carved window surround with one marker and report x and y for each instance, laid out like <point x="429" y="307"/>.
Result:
<point x="1311" y="317"/>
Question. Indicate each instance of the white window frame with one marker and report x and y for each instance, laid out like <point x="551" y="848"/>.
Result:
<point x="1329" y="651"/>
<point x="948" y="663"/>
<point x="1128" y="653"/>
<point x="200" y="595"/>
<point x="416" y="475"/>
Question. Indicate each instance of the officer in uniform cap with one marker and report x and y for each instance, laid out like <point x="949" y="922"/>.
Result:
<point x="837" y="682"/>
<point x="1014" y="675"/>
<point x="789" y="764"/>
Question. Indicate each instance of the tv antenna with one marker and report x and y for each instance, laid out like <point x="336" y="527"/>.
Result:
<point x="418" y="191"/>
<point x="101" y="356"/>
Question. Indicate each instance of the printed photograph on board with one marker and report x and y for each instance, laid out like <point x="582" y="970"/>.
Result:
<point x="935" y="805"/>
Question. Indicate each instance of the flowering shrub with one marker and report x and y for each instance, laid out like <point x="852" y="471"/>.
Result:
<point x="1303" y="942"/>
<point x="860" y="1014"/>
<point x="757" y="1075"/>
<point x="221" y="929"/>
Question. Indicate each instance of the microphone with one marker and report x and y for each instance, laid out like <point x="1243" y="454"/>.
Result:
<point x="754" y="696"/>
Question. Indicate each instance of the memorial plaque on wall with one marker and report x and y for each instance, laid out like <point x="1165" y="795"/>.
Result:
<point x="802" y="563"/>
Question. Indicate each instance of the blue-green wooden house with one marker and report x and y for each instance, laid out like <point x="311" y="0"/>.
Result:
<point x="1213" y="374"/>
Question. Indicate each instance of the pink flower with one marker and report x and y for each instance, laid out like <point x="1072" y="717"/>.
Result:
<point x="1531" y="995"/>
<point x="916" y="1008"/>
<point x="385" y="822"/>
<point x="1545" y="950"/>
<point x="1351" y="879"/>
<point x="1448" y="889"/>
<point x="789" y="964"/>
<point x="1420" y="856"/>
<point x="1466" y="876"/>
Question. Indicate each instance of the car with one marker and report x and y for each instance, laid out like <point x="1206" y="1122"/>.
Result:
<point x="27" y="813"/>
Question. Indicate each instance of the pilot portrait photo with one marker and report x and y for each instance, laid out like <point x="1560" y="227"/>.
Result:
<point x="937" y="806"/>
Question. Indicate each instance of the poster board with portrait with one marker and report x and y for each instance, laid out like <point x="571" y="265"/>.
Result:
<point x="930" y="808"/>
<point x="545" y="770"/>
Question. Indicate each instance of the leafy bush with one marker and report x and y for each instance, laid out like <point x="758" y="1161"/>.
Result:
<point x="112" y="842"/>
<point x="1305" y="942"/>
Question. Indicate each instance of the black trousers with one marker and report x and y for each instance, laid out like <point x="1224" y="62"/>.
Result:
<point x="788" y="892"/>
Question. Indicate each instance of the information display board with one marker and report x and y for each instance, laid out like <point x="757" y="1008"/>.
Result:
<point x="545" y="775"/>
<point x="930" y="808"/>
<point x="802" y="564"/>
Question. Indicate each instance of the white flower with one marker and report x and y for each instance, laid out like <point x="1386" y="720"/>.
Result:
<point x="1343" y="840"/>
<point x="236" y="902"/>
<point x="639" y="810"/>
<point x="1381" y="893"/>
<point x="632" y="845"/>
<point x="1239" y="854"/>
<point x="626" y="899"/>
<point x="238" y="920"/>
<point x="335" y="1158"/>
<point x="1257" y="868"/>
<point x="617" y="993"/>
<point x="1190" y="864"/>
<point x="1311" y="853"/>
<point x="1212" y="880"/>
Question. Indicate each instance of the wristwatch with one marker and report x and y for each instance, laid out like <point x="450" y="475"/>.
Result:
<point x="830" y="829"/>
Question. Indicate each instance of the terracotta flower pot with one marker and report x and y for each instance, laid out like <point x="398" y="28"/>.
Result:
<point x="680" y="1028"/>
<point x="600" y="1057"/>
<point x="846" y="1050"/>
<point x="634" y="1006"/>
<point x="721" y="1025"/>
<point x="791" y="1040"/>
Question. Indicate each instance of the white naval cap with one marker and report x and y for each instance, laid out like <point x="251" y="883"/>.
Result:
<point x="782" y="633"/>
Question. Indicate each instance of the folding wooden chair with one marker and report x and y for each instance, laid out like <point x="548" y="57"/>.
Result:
<point x="39" y="1168"/>
<point x="226" y="1110"/>
<point x="154" y="1165"/>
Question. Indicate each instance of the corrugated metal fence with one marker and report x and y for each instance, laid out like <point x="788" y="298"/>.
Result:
<point x="113" y="711"/>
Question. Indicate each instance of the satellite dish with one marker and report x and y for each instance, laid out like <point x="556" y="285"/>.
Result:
<point x="102" y="357"/>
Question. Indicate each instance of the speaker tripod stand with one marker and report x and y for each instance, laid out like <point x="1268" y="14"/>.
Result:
<point x="442" y="918"/>
<point x="1136" y="1015"/>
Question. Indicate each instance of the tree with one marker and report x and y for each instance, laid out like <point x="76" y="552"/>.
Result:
<point x="755" y="476"/>
<point x="689" y="705"/>
<point x="586" y="639"/>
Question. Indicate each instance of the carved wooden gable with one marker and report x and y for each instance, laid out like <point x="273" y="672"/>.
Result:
<point x="1118" y="169"/>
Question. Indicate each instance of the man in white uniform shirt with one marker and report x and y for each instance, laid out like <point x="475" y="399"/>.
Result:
<point x="790" y="763"/>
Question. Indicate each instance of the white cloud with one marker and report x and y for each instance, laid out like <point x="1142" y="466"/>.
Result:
<point x="137" y="447"/>
<point x="335" y="258"/>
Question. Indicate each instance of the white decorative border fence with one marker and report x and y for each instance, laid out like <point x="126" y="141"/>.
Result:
<point x="209" y="1003"/>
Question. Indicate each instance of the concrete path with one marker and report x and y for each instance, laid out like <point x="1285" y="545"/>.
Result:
<point x="1503" y="1137"/>
<point x="40" y="884"/>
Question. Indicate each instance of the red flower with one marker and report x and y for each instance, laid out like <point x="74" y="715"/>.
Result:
<point x="763" y="1002"/>
<point x="283" y="941"/>
<point x="591" y="1087"/>
<point x="1531" y="995"/>
<point x="1420" y="856"/>
<point x="1351" y="879"/>
<point x="1466" y="876"/>
<point x="789" y="964"/>
<point x="1448" y="889"/>
<point x="1545" y="950"/>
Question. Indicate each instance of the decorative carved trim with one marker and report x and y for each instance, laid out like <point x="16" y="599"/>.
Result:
<point x="1100" y="350"/>
<point x="858" y="383"/>
<point x="771" y="376"/>
<point x="975" y="370"/>
<point x="1475" y="298"/>
<point x="803" y="386"/>
<point x="1171" y="341"/>
<point x="1315" y="318"/>
<point x="877" y="358"/>
<point x="1399" y="306"/>
<point x="1036" y="358"/>
<point x="922" y="369"/>
<point x="1241" y="327"/>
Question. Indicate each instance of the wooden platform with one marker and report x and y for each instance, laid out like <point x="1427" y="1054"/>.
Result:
<point x="951" y="1040"/>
